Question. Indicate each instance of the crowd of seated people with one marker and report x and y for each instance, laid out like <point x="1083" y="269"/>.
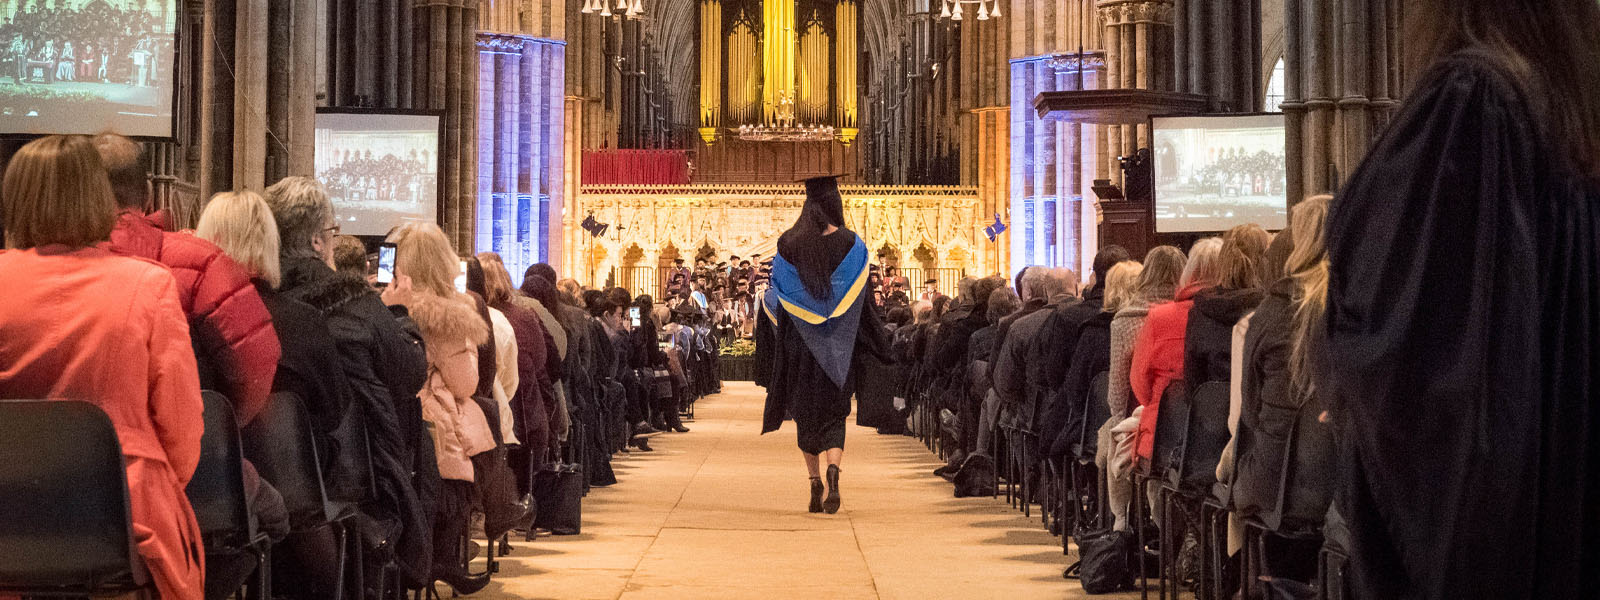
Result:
<point x="1055" y="392"/>
<point x="434" y="412"/>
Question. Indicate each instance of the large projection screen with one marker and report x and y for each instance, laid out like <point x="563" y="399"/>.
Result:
<point x="88" y="66"/>
<point x="381" y="168"/>
<point x="1215" y="172"/>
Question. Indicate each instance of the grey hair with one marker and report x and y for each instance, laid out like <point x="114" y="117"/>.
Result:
<point x="302" y="209"/>
<point x="1045" y="282"/>
<point x="964" y="289"/>
<point x="1202" y="266"/>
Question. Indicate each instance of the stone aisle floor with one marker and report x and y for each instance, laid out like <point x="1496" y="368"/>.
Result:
<point x="720" y="512"/>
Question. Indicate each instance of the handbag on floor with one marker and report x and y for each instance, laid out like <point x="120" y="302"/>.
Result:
<point x="1106" y="562"/>
<point x="558" y="492"/>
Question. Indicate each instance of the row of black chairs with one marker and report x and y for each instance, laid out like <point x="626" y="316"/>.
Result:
<point x="1189" y="442"/>
<point x="67" y="530"/>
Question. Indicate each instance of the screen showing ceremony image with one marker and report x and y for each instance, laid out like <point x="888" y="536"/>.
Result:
<point x="86" y="66"/>
<point x="1212" y="173"/>
<point x="381" y="170"/>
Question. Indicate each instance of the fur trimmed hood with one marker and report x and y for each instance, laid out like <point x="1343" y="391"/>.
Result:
<point x="446" y="321"/>
<point x="312" y="282"/>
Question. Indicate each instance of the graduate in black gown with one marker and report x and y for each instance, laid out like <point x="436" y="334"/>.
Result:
<point x="1463" y="317"/>
<point x="813" y="330"/>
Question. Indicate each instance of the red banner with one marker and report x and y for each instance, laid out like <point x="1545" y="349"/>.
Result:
<point x="635" y="167"/>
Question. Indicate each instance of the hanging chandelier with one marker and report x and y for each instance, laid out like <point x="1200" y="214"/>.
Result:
<point x="952" y="9"/>
<point x="624" y="8"/>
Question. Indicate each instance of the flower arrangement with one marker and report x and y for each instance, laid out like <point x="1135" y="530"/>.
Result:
<point x="739" y="348"/>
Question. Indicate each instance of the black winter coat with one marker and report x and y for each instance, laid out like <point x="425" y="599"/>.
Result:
<point x="1208" y="340"/>
<point x="1053" y="348"/>
<point x="1284" y="469"/>
<point x="384" y="364"/>
<point x="1073" y="418"/>
<point x="310" y="367"/>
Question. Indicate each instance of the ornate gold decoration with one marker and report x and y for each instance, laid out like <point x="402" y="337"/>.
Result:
<point x="747" y="219"/>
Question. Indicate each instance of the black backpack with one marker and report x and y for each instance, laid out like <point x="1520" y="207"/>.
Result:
<point x="1107" y="561"/>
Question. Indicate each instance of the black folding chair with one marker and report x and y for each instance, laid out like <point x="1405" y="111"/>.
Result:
<point x="216" y="491"/>
<point x="1172" y="411"/>
<point x="1086" y="506"/>
<point x="1194" y="466"/>
<point x="67" y="529"/>
<point x="281" y="443"/>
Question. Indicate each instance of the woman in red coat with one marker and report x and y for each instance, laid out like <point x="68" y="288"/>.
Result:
<point x="1158" y="351"/>
<point x="108" y="330"/>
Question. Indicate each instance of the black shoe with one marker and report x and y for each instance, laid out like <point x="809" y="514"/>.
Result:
<point x="680" y="428"/>
<point x="644" y="428"/>
<point x="816" y="494"/>
<point x="464" y="584"/>
<point x="831" y="505"/>
<point x="643" y="444"/>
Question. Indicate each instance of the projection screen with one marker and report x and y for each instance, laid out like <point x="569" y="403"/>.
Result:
<point x="381" y="168"/>
<point x="87" y="66"/>
<point x="1215" y="172"/>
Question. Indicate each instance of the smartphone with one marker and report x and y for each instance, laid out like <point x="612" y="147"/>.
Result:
<point x="461" y="278"/>
<point x="386" y="263"/>
<point x="633" y="315"/>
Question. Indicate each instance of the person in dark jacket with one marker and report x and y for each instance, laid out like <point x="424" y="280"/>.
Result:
<point x="1463" y="337"/>
<point x="1284" y="465"/>
<point x="537" y="360"/>
<point x="1074" y="422"/>
<point x="381" y="356"/>
<point x="1208" y="336"/>
<point x="818" y="325"/>
<point x="1052" y="354"/>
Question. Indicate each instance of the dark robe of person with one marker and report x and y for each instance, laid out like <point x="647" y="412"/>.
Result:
<point x="1072" y="423"/>
<point x="1463" y="328"/>
<point x="810" y="373"/>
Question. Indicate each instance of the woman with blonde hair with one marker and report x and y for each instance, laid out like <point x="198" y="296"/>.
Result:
<point x="1158" y="351"/>
<point x="1279" y="429"/>
<point x="1242" y="267"/>
<point x="453" y="332"/>
<point x="242" y="225"/>
<point x="109" y="330"/>
<point x="1162" y="270"/>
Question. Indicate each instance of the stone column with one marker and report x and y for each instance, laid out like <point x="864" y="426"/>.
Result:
<point x="1139" y="55"/>
<point x="446" y="78"/>
<point x="1342" y="84"/>
<point x="1218" y="50"/>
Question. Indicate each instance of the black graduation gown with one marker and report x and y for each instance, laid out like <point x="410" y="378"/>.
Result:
<point x="1464" y="346"/>
<point x="796" y="385"/>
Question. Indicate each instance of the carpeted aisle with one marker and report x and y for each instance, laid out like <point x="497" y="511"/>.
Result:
<point x="720" y="512"/>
